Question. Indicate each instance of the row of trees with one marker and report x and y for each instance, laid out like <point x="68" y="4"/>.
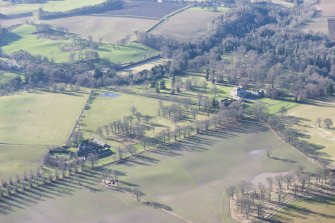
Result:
<point x="35" y="179"/>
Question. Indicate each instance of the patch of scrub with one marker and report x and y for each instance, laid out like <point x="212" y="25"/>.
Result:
<point x="261" y="178"/>
<point x="109" y="94"/>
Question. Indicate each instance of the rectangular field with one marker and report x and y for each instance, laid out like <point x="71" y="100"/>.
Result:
<point x="189" y="179"/>
<point x="39" y="117"/>
<point x="107" y="28"/>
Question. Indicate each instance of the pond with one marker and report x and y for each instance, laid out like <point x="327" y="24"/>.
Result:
<point x="109" y="94"/>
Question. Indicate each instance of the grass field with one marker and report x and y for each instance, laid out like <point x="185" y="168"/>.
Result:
<point x="24" y="38"/>
<point x="16" y="159"/>
<point x="182" y="26"/>
<point x="39" y="117"/>
<point x="320" y="209"/>
<point x="325" y="9"/>
<point x="307" y="115"/>
<point x="109" y="29"/>
<point x="105" y="110"/>
<point x="50" y="5"/>
<point x="190" y="178"/>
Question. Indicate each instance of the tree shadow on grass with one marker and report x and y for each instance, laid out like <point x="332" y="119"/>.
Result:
<point x="283" y="159"/>
<point x="9" y="38"/>
<point x="64" y="187"/>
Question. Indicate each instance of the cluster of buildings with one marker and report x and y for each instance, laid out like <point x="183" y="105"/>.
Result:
<point x="93" y="146"/>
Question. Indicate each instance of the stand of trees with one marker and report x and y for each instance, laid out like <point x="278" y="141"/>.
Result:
<point x="251" y="201"/>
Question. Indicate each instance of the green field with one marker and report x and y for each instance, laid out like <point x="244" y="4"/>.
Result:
<point x="190" y="178"/>
<point x="319" y="209"/>
<point x="25" y="38"/>
<point x="39" y="117"/>
<point x="307" y="115"/>
<point x="17" y="159"/>
<point x="50" y="5"/>
<point x="274" y="105"/>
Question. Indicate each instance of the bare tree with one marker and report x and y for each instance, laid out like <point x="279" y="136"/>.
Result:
<point x="328" y="122"/>
<point x="231" y="191"/>
<point x="319" y="121"/>
<point x="137" y="193"/>
<point x="92" y="158"/>
<point x="283" y="111"/>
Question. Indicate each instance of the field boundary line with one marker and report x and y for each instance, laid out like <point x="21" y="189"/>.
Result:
<point x="168" y="16"/>
<point x="81" y="114"/>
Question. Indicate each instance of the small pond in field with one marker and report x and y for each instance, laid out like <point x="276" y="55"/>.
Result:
<point x="109" y="94"/>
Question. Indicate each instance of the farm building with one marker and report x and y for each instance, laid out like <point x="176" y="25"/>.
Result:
<point x="331" y="25"/>
<point x="239" y="92"/>
<point x="93" y="146"/>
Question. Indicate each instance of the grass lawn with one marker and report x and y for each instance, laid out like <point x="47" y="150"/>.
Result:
<point x="190" y="177"/>
<point x="50" y="5"/>
<point x="307" y="115"/>
<point x="275" y="105"/>
<point x="145" y="66"/>
<point x="7" y="76"/>
<point x="15" y="159"/>
<point x="308" y="211"/>
<point x="39" y="117"/>
<point x="223" y="91"/>
<point x="24" y="38"/>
